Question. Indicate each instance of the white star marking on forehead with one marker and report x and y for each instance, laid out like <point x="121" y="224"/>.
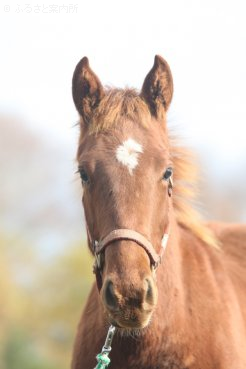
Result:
<point x="128" y="153"/>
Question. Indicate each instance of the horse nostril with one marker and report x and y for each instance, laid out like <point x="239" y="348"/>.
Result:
<point x="109" y="295"/>
<point x="149" y="292"/>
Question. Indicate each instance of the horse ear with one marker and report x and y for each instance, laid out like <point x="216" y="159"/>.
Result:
<point x="87" y="89"/>
<point x="157" y="88"/>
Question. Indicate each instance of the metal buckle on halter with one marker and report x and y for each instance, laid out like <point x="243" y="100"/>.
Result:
<point x="163" y="245"/>
<point x="156" y="264"/>
<point x="98" y="261"/>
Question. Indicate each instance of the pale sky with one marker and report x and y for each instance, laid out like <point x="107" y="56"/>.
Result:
<point x="203" y="41"/>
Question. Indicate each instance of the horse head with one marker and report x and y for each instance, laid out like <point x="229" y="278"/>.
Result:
<point x="126" y="169"/>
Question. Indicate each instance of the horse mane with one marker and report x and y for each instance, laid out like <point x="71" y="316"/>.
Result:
<point x="120" y="104"/>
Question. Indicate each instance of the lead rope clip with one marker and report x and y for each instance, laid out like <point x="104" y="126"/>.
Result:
<point x="102" y="358"/>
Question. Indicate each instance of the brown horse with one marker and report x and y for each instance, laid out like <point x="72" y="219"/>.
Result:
<point x="188" y="311"/>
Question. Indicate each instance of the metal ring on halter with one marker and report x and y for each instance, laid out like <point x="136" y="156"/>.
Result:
<point x="109" y="339"/>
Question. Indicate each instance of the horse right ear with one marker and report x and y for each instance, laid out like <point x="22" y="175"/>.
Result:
<point x="87" y="89"/>
<point x="157" y="88"/>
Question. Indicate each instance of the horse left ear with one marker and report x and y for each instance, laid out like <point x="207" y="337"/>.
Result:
<point x="157" y="88"/>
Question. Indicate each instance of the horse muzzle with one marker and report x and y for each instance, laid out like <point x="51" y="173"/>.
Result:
<point x="129" y="305"/>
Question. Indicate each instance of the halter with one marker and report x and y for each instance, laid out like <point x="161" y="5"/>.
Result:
<point x="100" y="246"/>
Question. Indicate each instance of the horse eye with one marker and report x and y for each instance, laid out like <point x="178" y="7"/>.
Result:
<point x="84" y="176"/>
<point x="168" y="173"/>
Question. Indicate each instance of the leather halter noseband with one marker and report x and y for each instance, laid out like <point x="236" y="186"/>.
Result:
<point x="99" y="247"/>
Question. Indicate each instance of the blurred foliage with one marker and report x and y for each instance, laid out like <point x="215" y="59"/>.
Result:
<point x="41" y="304"/>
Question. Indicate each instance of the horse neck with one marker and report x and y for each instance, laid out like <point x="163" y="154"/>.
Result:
<point x="170" y="312"/>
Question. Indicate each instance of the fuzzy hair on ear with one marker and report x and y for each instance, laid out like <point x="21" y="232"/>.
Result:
<point x="87" y="89"/>
<point x="157" y="88"/>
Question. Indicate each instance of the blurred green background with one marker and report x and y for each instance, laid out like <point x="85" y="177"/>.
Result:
<point x="45" y="267"/>
<point x="41" y="305"/>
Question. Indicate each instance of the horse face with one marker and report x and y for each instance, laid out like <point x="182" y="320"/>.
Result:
<point x="123" y="164"/>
